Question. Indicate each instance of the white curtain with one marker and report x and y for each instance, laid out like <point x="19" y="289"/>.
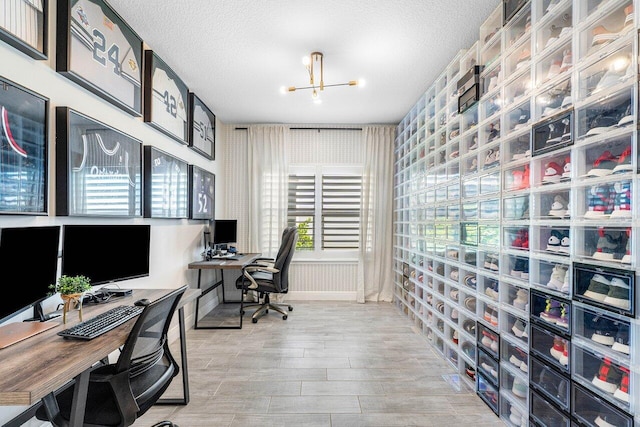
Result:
<point x="375" y="259"/>
<point x="267" y="187"/>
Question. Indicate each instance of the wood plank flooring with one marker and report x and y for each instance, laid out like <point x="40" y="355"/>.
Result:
<point x="331" y="364"/>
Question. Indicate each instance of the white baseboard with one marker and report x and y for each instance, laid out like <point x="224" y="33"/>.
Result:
<point x="320" y="296"/>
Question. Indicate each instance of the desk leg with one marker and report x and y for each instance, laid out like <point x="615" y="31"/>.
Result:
<point x="206" y="291"/>
<point x="185" y="370"/>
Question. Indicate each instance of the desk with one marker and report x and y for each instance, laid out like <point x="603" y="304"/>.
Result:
<point x="36" y="367"/>
<point x="220" y="264"/>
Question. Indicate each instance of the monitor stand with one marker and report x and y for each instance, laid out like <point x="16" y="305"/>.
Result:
<point x="39" y="316"/>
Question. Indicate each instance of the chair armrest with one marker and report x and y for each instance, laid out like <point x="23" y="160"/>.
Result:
<point x="250" y="268"/>
<point x="121" y="387"/>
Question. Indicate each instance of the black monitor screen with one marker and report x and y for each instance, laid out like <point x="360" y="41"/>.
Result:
<point x="106" y="253"/>
<point x="31" y="253"/>
<point x="224" y="231"/>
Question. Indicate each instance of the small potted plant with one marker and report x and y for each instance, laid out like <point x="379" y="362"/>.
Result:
<point x="71" y="289"/>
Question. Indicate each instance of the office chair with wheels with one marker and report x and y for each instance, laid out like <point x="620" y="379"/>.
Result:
<point x="121" y="392"/>
<point x="268" y="276"/>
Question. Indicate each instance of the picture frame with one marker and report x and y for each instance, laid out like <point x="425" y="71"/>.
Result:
<point x="165" y="99"/>
<point x="202" y="128"/>
<point x="24" y="154"/>
<point x="166" y="185"/>
<point x="24" y="25"/>
<point x="98" y="50"/>
<point x="202" y="193"/>
<point x="98" y="168"/>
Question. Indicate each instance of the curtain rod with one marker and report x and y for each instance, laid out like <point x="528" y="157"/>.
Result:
<point x="318" y="129"/>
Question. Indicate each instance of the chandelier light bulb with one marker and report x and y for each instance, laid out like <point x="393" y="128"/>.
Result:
<point x="306" y="61"/>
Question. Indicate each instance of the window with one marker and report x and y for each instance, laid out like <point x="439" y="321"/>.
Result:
<point x="324" y="202"/>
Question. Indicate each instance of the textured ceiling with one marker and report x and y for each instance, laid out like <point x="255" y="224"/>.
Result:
<point x="237" y="54"/>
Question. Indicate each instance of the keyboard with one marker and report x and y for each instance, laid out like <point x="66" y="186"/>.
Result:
<point x="102" y="323"/>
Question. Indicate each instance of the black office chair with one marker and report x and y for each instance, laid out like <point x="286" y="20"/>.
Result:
<point x="120" y="392"/>
<point x="268" y="276"/>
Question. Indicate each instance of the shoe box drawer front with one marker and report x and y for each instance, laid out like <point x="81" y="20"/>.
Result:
<point x="515" y="91"/>
<point x="514" y="383"/>
<point x="516" y="237"/>
<point x="517" y="178"/>
<point x="515" y="208"/>
<point x="515" y="326"/>
<point x="552" y="204"/>
<point x="602" y="73"/>
<point x="488" y="284"/>
<point x="606" y="202"/>
<point x="605" y="117"/>
<point x="488" y="367"/>
<point x="489" y="312"/>
<point x="554" y="63"/>
<point x="518" y="117"/>
<point x="550" y="383"/>
<point x="590" y="410"/>
<point x="606" y="332"/>
<point x="606" y="23"/>
<point x="550" y="134"/>
<point x="554" y="240"/>
<point x="488" y="340"/>
<point x="544" y="414"/>
<point x="515" y="354"/>
<point x="611" y="289"/>
<point x="551" y="347"/>
<point x="552" y="276"/>
<point x="609" y="378"/>
<point x="487" y="392"/>
<point x="516" y="295"/>
<point x="551" y="100"/>
<point x="552" y="312"/>
<point x="513" y="412"/>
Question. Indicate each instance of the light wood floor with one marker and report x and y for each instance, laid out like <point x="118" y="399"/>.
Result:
<point x="330" y="364"/>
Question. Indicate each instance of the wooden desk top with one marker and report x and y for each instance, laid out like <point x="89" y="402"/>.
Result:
<point x="224" y="263"/>
<point x="34" y="367"/>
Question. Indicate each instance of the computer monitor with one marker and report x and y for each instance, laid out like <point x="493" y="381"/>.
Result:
<point x="224" y="231"/>
<point x="106" y="253"/>
<point x="31" y="255"/>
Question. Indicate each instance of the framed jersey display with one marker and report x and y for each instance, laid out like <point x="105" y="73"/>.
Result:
<point x="23" y="150"/>
<point x="166" y="185"/>
<point x="165" y="98"/>
<point x="98" y="168"/>
<point x="202" y="186"/>
<point x="100" y="52"/>
<point x="202" y="128"/>
<point x="23" y="25"/>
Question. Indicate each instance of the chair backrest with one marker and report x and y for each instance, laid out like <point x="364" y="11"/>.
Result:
<point x="283" y="259"/>
<point x="145" y="354"/>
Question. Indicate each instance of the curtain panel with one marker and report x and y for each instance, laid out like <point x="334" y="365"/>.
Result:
<point x="267" y="193"/>
<point x="375" y="258"/>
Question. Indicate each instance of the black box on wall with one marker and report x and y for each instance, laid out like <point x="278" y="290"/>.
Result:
<point x="510" y="8"/>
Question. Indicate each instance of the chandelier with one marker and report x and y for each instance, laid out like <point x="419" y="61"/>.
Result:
<point x="312" y="63"/>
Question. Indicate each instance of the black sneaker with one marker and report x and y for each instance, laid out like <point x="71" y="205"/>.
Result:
<point x="604" y="330"/>
<point x="621" y="343"/>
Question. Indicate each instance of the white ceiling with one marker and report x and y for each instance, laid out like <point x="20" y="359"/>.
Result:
<point x="237" y="54"/>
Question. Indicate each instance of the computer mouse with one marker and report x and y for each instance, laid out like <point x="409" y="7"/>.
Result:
<point x="142" y="302"/>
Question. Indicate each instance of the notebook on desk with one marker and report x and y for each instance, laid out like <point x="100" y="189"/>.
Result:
<point x="15" y="332"/>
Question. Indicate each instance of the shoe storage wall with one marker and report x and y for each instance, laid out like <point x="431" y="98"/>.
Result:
<point x="516" y="236"/>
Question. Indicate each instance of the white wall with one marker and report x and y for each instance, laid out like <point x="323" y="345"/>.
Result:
<point x="174" y="243"/>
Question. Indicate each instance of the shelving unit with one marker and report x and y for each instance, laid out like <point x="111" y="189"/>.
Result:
<point x="506" y="211"/>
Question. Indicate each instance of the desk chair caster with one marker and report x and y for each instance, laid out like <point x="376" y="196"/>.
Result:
<point x="165" y="424"/>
